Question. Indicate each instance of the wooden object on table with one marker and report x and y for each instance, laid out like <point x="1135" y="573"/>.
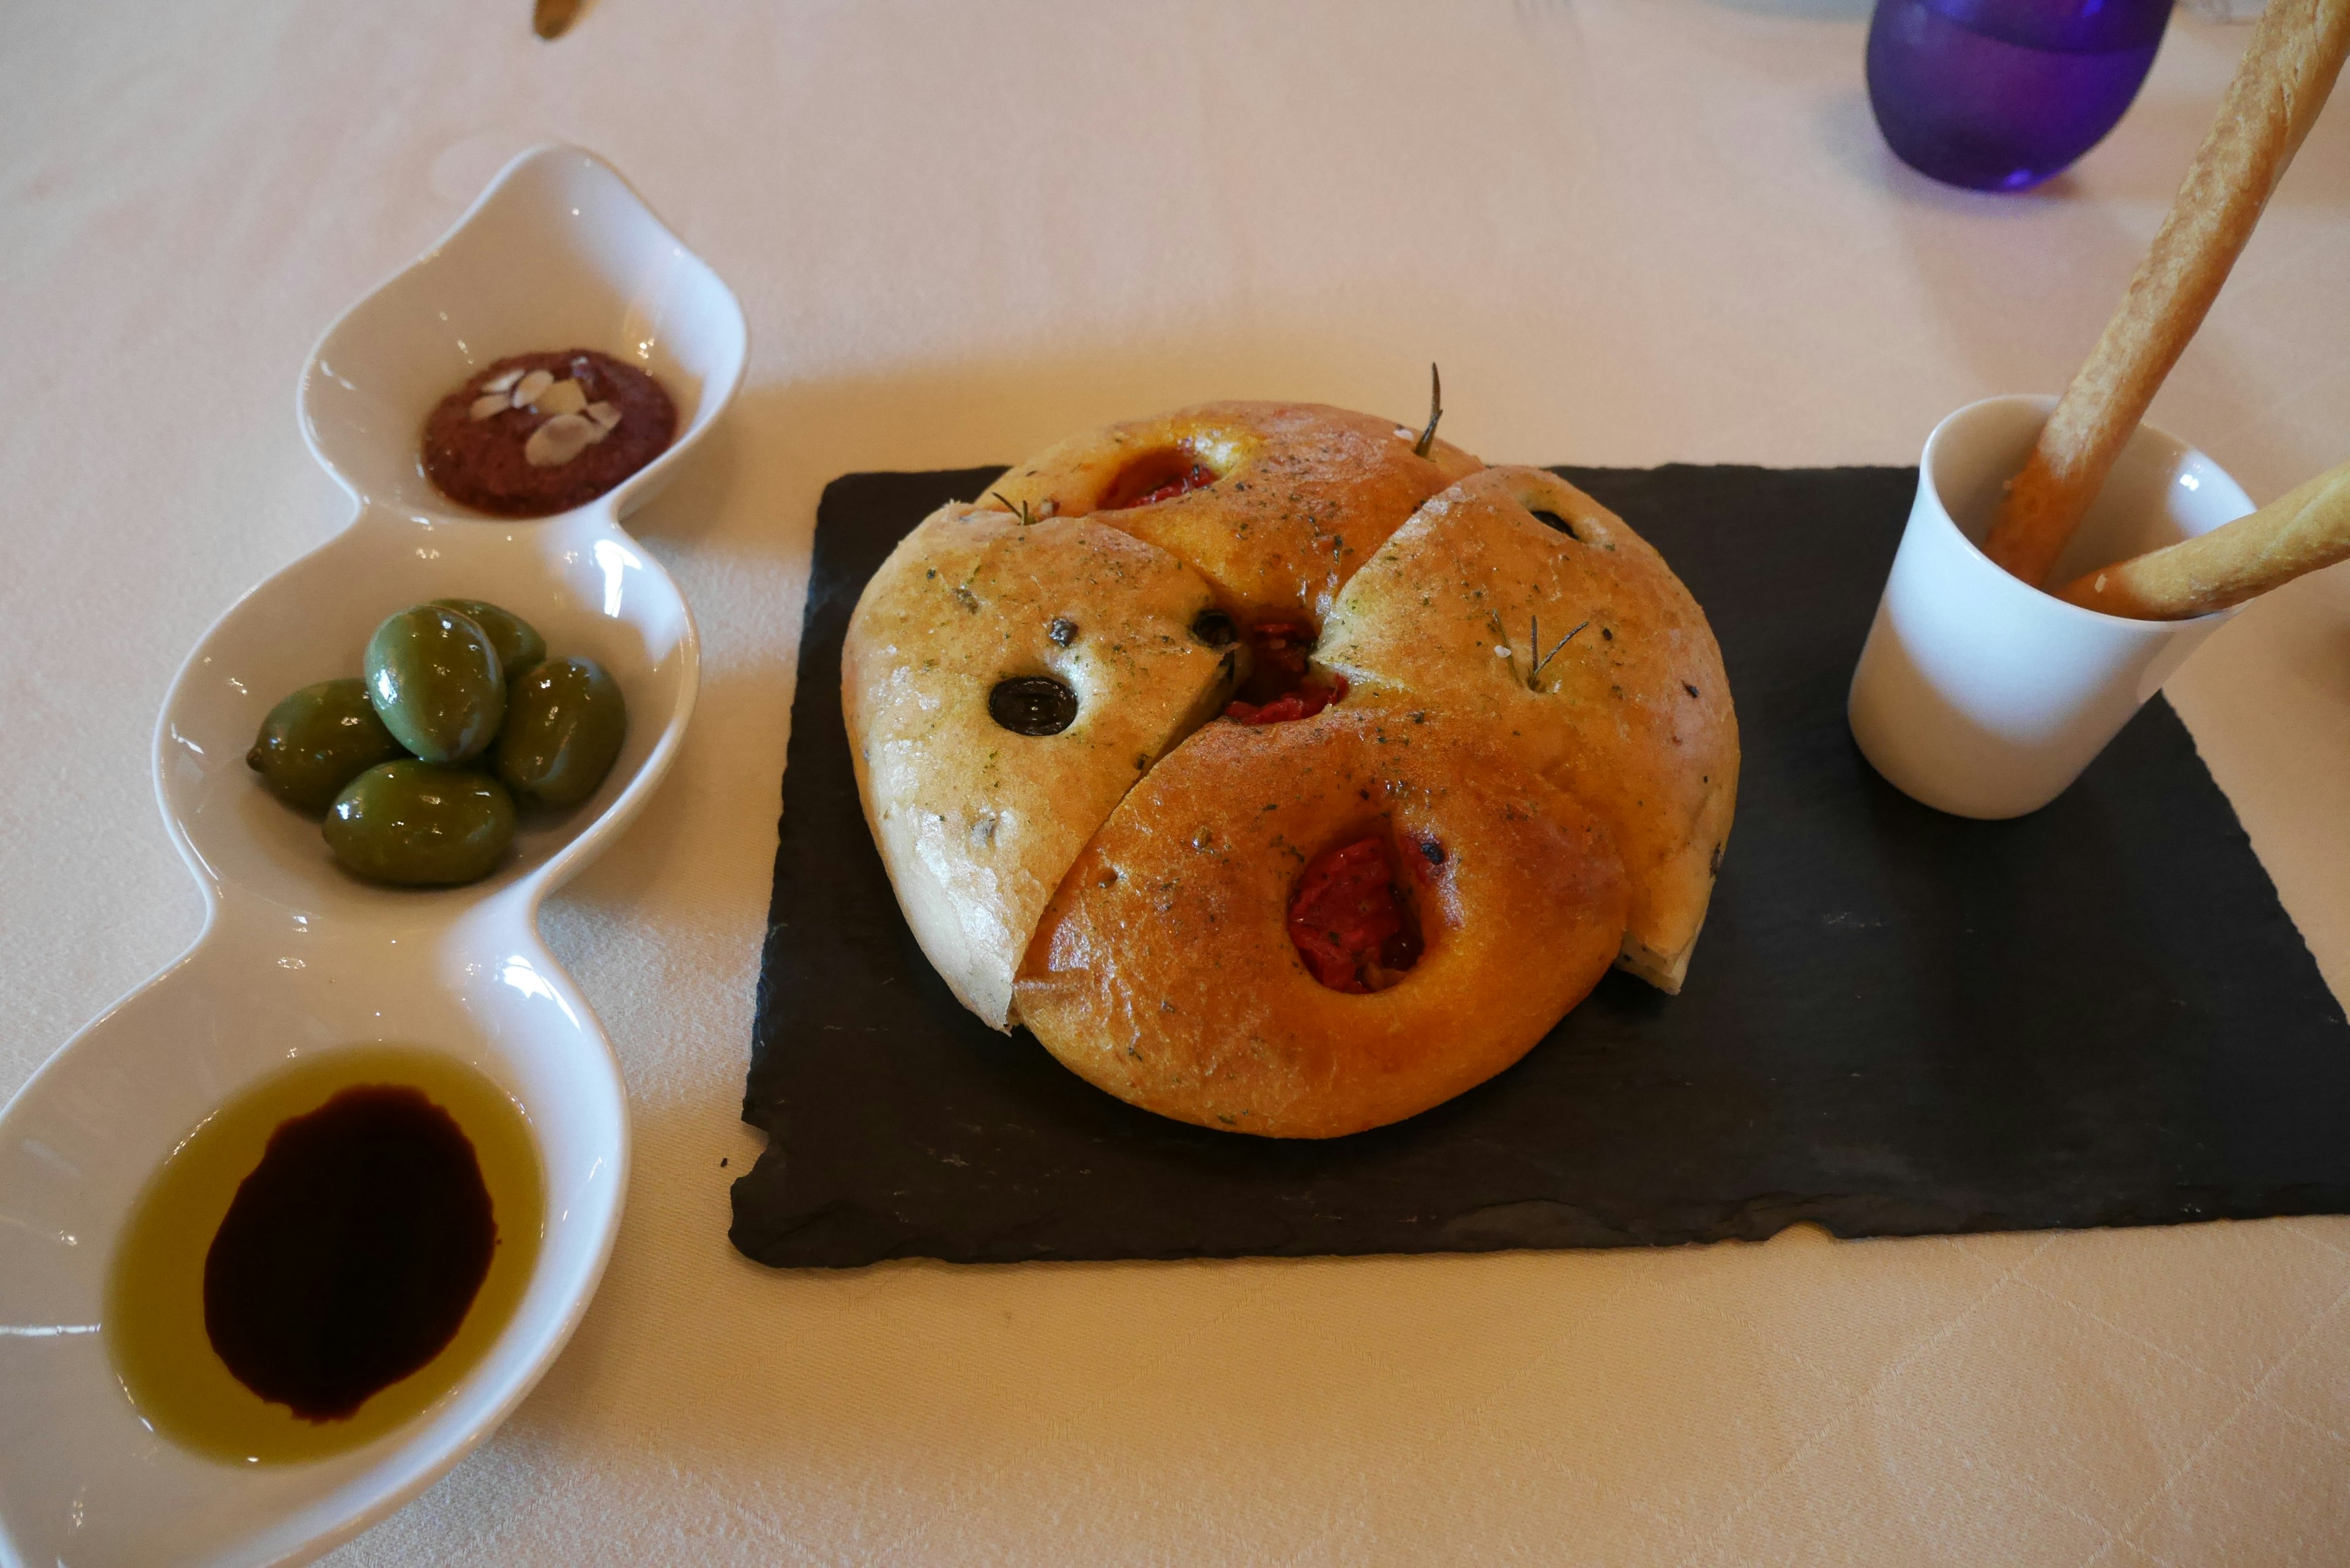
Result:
<point x="2289" y="66"/>
<point x="2300" y="532"/>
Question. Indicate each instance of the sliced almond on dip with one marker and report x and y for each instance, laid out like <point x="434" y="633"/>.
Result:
<point x="490" y="403"/>
<point x="606" y="415"/>
<point x="560" y="440"/>
<point x="563" y="398"/>
<point x="503" y="383"/>
<point x="532" y="388"/>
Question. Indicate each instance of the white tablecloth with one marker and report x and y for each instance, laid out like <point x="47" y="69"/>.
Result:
<point x="1632" y="231"/>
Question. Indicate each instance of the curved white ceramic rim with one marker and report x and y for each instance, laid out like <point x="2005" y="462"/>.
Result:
<point x="623" y="497"/>
<point x="416" y="1467"/>
<point x="2046" y="403"/>
<point x="530" y="892"/>
<point x="410" y="1465"/>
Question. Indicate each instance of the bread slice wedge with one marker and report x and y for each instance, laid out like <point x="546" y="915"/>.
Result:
<point x="978" y="821"/>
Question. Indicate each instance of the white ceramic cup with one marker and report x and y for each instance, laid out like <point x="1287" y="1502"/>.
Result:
<point x="1983" y="697"/>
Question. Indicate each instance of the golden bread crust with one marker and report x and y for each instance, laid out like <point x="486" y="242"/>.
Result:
<point x="976" y="823"/>
<point x="1611" y="688"/>
<point x="1163" y="971"/>
<point x="1533" y="723"/>
<point x="1303" y="494"/>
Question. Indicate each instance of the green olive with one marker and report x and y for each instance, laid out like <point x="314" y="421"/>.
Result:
<point x="421" y="823"/>
<point x="517" y="641"/>
<point x="565" y="723"/>
<point x="433" y="676"/>
<point x="317" y="741"/>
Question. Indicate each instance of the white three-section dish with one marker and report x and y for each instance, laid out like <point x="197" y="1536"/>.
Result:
<point x="298" y="960"/>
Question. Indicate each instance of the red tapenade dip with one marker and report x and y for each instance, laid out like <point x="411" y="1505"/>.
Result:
<point x="535" y="434"/>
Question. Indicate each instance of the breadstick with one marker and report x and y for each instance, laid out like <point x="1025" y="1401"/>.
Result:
<point x="2300" y="532"/>
<point x="2288" y="68"/>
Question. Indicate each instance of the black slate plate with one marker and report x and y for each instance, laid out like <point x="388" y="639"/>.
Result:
<point x="1897" y="1021"/>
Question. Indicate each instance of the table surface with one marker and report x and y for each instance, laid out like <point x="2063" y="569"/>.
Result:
<point x="1633" y="230"/>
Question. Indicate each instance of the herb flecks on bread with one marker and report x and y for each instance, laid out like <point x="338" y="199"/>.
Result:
<point x="1629" y="710"/>
<point x="1298" y="494"/>
<point x="948" y="678"/>
<point x="1286" y="770"/>
<point x="1165" y="973"/>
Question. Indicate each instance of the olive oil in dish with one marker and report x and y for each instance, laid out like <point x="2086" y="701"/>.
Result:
<point x="326" y="1255"/>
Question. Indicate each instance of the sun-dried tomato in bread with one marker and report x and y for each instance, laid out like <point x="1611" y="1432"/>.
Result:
<point x="1164" y="972"/>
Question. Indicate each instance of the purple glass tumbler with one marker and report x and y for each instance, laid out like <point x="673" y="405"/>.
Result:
<point x="1999" y="95"/>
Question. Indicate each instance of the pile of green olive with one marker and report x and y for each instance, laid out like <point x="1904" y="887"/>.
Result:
<point x="418" y="765"/>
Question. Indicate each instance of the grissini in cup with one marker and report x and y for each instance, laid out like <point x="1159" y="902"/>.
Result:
<point x="2289" y="66"/>
<point x="2299" y="532"/>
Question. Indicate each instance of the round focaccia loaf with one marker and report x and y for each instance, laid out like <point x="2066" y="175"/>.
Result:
<point x="1285" y="499"/>
<point x="1165" y="971"/>
<point x="1516" y="607"/>
<point x="977" y="822"/>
